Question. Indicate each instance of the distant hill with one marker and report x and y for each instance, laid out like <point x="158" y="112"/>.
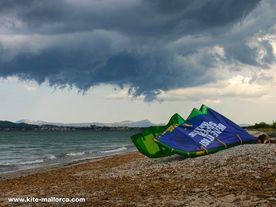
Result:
<point x="23" y="125"/>
<point x="244" y="125"/>
<point x="142" y="123"/>
<point x="12" y="125"/>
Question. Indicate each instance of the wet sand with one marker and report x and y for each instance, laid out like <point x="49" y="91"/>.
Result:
<point x="240" y="176"/>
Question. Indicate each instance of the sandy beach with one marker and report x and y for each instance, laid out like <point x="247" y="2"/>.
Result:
<point x="241" y="176"/>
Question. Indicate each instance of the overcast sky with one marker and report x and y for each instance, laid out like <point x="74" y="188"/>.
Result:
<point x="113" y="60"/>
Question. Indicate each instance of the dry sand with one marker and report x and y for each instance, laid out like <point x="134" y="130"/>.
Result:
<point x="240" y="176"/>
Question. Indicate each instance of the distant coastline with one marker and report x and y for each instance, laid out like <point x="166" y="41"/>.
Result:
<point x="11" y="126"/>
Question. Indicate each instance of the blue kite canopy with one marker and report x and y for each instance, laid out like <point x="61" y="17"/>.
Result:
<point x="205" y="133"/>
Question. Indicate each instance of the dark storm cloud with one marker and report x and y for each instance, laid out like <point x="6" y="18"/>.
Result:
<point x="141" y="17"/>
<point x="147" y="45"/>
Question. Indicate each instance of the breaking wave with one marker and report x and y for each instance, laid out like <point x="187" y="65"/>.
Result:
<point x="75" y="154"/>
<point x="114" y="150"/>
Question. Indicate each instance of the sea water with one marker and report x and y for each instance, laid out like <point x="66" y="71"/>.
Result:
<point x="30" y="149"/>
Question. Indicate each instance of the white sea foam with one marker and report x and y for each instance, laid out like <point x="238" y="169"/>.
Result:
<point x="114" y="150"/>
<point x="30" y="162"/>
<point x="51" y="157"/>
<point x="75" y="153"/>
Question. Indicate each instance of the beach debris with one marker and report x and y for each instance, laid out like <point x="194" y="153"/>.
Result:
<point x="270" y="140"/>
<point x="263" y="138"/>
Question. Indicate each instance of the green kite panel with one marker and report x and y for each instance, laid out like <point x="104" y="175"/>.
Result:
<point x="145" y="141"/>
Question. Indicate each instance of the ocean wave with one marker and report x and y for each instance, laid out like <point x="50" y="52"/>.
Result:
<point x="114" y="150"/>
<point x="75" y="154"/>
<point x="50" y="157"/>
<point x="29" y="162"/>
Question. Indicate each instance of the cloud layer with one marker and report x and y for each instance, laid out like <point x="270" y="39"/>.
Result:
<point x="147" y="46"/>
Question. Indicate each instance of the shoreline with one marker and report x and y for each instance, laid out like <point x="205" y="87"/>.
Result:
<point x="53" y="166"/>
<point x="240" y="176"/>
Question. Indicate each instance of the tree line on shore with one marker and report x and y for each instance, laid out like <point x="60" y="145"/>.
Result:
<point x="263" y="125"/>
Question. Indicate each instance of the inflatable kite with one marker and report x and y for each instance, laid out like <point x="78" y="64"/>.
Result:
<point x="205" y="131"/>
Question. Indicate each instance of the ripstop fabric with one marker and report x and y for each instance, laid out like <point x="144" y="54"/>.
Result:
<point x="146" y="144"/>
<point x="205" y="131"/>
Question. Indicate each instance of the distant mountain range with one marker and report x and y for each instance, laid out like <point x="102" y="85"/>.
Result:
<point x="142" y="123"/>
<point x="244" y="125"/>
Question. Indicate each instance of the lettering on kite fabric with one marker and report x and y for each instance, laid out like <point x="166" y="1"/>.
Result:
<point x="208" y="130"/>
